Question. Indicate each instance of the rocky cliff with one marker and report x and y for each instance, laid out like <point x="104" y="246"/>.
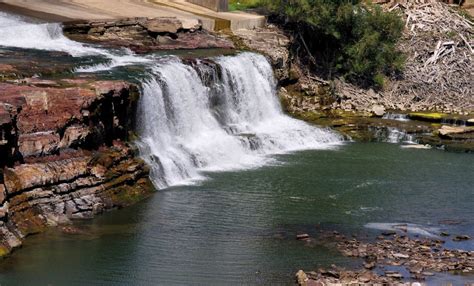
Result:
<point x="63" y="154"/>
<point x="143" y="35"/>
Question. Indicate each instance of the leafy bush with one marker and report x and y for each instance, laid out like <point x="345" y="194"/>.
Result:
<point x="348" y="38"/>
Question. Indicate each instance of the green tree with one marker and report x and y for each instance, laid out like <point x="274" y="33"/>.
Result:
<point x="349" y="38"/>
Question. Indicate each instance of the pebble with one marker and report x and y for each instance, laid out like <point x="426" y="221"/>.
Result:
<point x="419" y="256"/>
<point x="393" y="274"/>
<point x="370" y="265"/>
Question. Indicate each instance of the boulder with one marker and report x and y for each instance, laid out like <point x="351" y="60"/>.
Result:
<point x="191" y="24"/>
<point x="301" y="278"/>
<point x="378" y="110"/>
<point x="143" y="35"/>
<point x="163" y="25"/>
<point x="452" y="130"/>
<point x="9" y="239"/>
<point x="366" y="277"/>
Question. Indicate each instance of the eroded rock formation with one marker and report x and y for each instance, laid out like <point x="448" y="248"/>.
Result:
<point x="63" y="154"/>
<point x="143" y="35"/>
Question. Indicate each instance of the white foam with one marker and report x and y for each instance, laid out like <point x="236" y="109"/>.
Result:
<point x="234" y="122"/>
<point x="396" y="116"/>
<point x="18" y="33"/>
<point x="405" y="227"/>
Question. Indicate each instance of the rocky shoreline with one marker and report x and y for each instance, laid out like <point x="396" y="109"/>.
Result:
<point x="386" y="259"/>
<point x="361" y="115"/>
<point x="368" y="115"/>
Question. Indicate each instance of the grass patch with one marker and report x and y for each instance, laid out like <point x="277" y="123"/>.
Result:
<point x="238" y="5"/>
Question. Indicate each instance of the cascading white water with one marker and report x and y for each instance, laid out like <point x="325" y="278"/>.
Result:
<point x="217" y="118"/>
<point x="396" y="116"/>
<point x="19" y="33"/>
<point x="207" y="117"/>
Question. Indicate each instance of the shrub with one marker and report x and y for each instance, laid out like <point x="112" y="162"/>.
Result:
<point x="348" y="38"/>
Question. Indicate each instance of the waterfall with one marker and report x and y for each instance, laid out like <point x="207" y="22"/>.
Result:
<point x="210" y="115"/>
<point x="217" y="116"/>
<point x="17" y="32"/>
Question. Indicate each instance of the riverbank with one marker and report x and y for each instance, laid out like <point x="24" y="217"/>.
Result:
<point x="392" y="258"/>
<point x="425" y="115"/>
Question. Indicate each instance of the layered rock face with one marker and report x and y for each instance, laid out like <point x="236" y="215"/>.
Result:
<point x="63" y="155"/>
<point x="272" y="42"/>
<point x="143" y="35"/>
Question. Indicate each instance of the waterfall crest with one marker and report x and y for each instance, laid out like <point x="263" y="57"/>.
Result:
<point x="17" y="32"/>
<point x="217" y="116"/>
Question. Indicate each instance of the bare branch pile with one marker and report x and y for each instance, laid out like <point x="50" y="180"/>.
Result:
<point x="439" y="72"/>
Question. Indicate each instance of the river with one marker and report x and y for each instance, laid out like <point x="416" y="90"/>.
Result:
<point x="240" y="227"/>
<point x="237" y="180"/>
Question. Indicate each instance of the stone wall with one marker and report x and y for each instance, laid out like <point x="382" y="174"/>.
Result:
<point x="216" y="5"/>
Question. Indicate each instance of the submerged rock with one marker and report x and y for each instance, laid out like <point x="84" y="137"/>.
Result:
<point x="448" y="131"/>
<point x="461" y="237"/>
<point x="417" y="256"/>
<point x="303" y="236"/>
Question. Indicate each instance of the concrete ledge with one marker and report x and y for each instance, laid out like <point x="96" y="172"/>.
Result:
<point x="215" y="5"/>
<point x="223" y="20"/>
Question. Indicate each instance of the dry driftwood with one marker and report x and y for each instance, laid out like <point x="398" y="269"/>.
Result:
<point x="440" y="69"/>
<point x="439" y="72"/>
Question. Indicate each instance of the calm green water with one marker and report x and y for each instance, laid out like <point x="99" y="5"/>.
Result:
<point x="240" y="227"/>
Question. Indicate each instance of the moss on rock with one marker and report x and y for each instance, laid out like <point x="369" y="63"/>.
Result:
<point x="427" y="116"/>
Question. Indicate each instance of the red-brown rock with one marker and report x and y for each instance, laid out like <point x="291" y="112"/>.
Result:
<point x="62" y="154"/>
<point x="48" y="119"/>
